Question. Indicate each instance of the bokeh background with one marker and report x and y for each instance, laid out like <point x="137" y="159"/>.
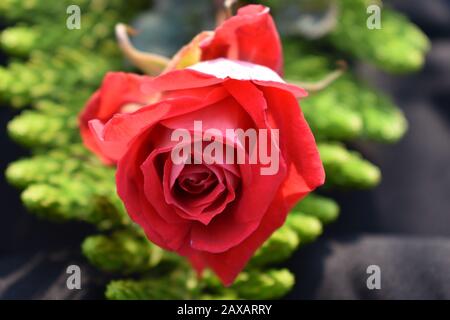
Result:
<point x="403" y="225"/>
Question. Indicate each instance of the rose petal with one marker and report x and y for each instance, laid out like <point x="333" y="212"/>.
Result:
<point x="239" y="70"/>
<point x="251" y="36"/>
<point x="242" y="218"/>
<point x="118" y="90"/>
<point x="228" y="264"/>
<point x="305" y="167"/>
<point x="129" y="181"/>
<point x="153" y="186"/>
<point x="213" y="117"/>
<point x="114" y="136"/>
<point x="206" y="207"/>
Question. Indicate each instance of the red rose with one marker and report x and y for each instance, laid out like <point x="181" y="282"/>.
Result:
<point x="120" y="92"/>
<point x="216" y="214"/>
<point x="249" y="36"/>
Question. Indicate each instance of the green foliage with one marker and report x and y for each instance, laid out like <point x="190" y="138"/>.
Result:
<point x="98" y="18"/>
<point x="398" y="46"/>
<point x="71" y="200"/>
<point x="348" y="108"/>
<point x="21" y="40"/>
<point x="36" y="130"/>
<point x="182" y="284"/>
<point x="128" y="251"/>
<point x="123" y="252"/>
<point x="322" y="208"/>
<point x="278" y="248"/>
<point x="39" y="11"/>
<point x="267" y="284"/>
<point x="69" y="162"/>
<point x="69" y="185"/>
<point x="54" y="77"/>
<point x="346" y="168"/>
<point x="308" y="228"/>
<point x="18" y="40"/>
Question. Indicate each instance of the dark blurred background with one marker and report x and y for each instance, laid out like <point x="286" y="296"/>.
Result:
<point x="403" y="226"/>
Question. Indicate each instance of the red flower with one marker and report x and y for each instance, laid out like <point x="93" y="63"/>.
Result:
<point x="120" y="92"/>
<point x="215" y="213"/>
<point x="249" y="36"/>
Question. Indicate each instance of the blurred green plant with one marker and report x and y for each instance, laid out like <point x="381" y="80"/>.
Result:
<point x="53" y="70"/>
